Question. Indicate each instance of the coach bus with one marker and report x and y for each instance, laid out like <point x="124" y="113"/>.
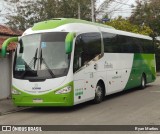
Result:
<point x="64" y="62"/>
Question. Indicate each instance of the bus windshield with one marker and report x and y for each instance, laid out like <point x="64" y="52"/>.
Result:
<point x="41" y="56"/>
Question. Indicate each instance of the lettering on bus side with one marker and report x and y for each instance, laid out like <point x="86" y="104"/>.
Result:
<point x="78" y="91"/>
<point x="108" y="65"/>
<point x="116" y="77"/>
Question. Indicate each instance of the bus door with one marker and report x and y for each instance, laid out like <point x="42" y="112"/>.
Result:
<point x="87" y="52"/>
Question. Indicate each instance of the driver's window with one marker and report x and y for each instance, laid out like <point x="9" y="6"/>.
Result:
<point x="87" y="47"/>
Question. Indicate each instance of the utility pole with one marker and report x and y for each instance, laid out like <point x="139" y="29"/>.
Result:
<point x="79" y="11"/>
<point x="93" y="12"/>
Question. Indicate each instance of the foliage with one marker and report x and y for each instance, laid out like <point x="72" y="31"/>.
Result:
<point x="26" y="13"/>
<point x="103" y="8"/>
<point x="148" y="13"/>
<point x="125" y="25"/>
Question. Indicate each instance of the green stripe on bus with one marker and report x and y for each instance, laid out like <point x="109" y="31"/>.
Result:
<point x="142" y="63"/>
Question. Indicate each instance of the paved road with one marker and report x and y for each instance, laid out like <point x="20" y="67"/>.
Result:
<point x="136" y="107"/>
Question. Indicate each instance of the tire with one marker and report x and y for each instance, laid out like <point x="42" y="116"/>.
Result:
<point x="99" y="94"/>
<point x="143" y="82"/>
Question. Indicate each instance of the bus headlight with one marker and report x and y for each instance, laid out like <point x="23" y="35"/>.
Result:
<point x="64" y="90"/>
<point x="15" y="92"/>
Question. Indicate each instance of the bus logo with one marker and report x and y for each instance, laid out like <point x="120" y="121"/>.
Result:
<point x="36" y="87"/>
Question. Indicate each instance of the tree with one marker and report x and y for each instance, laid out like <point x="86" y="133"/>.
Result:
<point x="125" y="25"/>
<point x="23" y="14"/>
<point x="148" y="13"/>
<point x="103" y="8"/>
<point x="110" y="7"/>
<point x="69" y="9"/>
<point x="26" y="13"/>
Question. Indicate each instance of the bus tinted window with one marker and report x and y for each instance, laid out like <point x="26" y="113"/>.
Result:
<point x="110" y="43"/>
<point x="87" y="47"/>
<point x="124" y="44"/>
<point x="147" y="45"/>
<point x="91" y="45"/>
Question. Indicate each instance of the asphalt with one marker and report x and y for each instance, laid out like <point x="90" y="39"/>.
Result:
<point x="7" y="106"/>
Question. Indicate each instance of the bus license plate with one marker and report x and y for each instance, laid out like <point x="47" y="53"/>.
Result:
<point x="37" y="100"/>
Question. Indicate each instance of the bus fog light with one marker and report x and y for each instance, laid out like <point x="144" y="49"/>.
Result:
<point x="64" y="90"/>
<point x="15" y="92"/>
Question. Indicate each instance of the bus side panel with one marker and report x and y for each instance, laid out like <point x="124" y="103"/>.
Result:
<point x="143" y="63"/>
<point x="149" y="62"/>
<point x="118" y="68"/>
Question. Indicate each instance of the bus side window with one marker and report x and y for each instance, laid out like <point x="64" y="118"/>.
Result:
<point x="91" y="46"/>
<point x="148" y="46"/>
<point x="87" y="47"/>
<point x="110" y="41"/>
<point x="78" y="54"/>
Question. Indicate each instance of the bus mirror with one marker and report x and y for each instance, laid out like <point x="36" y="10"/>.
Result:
<point x="21" y="50"/>
<point x="69" y="42"/>
<point x="6" y="43"/>
<point x="21" y="47"/>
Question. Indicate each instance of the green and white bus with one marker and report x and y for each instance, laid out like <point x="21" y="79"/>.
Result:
<point x="64" y="62"/>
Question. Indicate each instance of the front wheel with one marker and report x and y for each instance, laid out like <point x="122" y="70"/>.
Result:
<point x="143" y="82"/>
<point x="99" y="94"/>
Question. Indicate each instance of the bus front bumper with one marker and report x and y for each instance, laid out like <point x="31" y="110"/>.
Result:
<point x="43" y="100"/>
<point x="48" y="99"/>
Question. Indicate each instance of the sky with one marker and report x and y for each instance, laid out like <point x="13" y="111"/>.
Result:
<point x="122" y="7"/>
<point x="1" y="8"/>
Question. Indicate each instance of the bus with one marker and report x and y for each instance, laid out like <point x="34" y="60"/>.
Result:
<point x="64" y="62"/>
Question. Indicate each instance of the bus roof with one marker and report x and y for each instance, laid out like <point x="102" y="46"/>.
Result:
<point x="120" y="32"/>
<point x="57" y="22"/>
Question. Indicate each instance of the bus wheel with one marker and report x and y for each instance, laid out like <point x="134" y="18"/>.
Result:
<point x="143" y="81"/>
<point x="99" y="94"/>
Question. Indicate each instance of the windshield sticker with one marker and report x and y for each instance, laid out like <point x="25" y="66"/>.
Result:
<point x="43" y="45"/>
<point x="20" y="67"/>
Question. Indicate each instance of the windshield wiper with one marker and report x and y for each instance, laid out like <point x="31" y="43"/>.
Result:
<point x="34" y="59"/>
<point x="42" y="60"/>
<point x="29" y="66"/>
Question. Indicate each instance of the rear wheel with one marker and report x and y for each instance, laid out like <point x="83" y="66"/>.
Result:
<point x="99" y="94"/>
<point x="143" y="81"/>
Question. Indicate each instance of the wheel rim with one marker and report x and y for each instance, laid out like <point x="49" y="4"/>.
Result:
<point x="99" y="93"/>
